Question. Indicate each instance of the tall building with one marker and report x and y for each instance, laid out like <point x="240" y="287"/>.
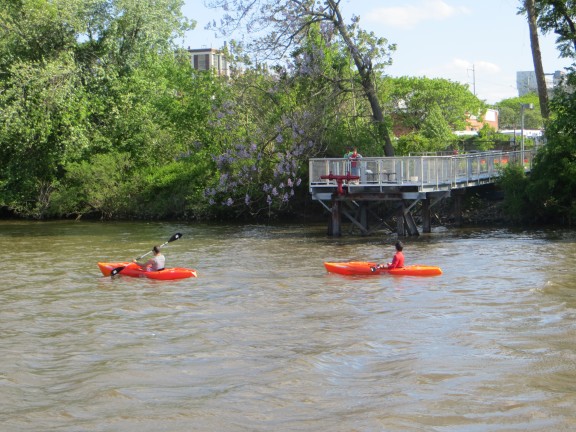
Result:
<point x="526" y="82"/>
<point x="209" y="58"/>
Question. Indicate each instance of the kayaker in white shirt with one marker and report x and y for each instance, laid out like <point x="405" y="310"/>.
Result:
<point x="155" y="263"/>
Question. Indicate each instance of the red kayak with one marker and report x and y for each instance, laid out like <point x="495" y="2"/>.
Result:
<point x="134" y="270"/>
<point x="370" y="268"/>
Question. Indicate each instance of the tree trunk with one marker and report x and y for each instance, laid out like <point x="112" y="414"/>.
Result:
<point x="367" y="78"/>
<point x="537" y="58"/>
<point x="377" y="114"/>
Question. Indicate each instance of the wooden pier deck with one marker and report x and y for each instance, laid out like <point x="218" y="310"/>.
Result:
<point x="406" y="180"/>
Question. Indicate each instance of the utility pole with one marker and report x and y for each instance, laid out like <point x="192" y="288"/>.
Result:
<point x="473" y="80"/>
<point x="522" y="108"/>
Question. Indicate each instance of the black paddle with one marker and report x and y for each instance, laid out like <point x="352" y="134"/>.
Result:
<point x="117" y="270"/>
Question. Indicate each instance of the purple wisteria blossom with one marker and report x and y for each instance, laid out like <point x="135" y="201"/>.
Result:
<point x="260" y="160"/>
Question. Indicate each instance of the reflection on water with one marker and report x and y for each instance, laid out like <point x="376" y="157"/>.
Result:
<point x="266" y="340"/>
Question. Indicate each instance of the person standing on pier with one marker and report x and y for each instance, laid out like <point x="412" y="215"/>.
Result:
<point x="354" y="157"/>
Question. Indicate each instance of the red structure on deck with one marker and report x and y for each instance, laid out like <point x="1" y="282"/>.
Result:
<point x="340" y="180"/>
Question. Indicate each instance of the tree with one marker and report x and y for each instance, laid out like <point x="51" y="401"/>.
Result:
<point x="281" y="25"/>
<point x="513" y="182"/>
<point x="558" y="16"/>
<point x="552" y="185"/>
<point x="122" y="32"/>
<point x="436" y="128"/>
<point x="510" y="113"/>
<point x="43" y="124"/>
<point x="266" y="132"/>
<point x="537" y="57"/>
<point x="410" y="100"/>
<point x="547" y="195"/>
<point x="76" y="80"/>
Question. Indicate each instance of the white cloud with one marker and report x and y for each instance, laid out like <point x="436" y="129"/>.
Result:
<point x="484" y="77"/>
<point x="410" y="16"/>
<point x="478" y="66"/>
<point x="487" y="67"/>
<point x="460" y="70"/>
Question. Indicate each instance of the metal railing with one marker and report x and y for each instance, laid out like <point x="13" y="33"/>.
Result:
<point x="427" y="172"/>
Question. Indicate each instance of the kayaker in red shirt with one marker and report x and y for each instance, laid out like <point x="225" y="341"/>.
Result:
<point x="397" y="261"/>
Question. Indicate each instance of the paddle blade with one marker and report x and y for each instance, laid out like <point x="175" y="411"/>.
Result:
<point x="175" y="237"/>
<point x="117" y="270"/>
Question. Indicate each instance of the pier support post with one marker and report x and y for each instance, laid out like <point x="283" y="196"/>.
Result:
<point x="426" y="224"/>
<point x="405" y="223"/>
<point x="458" y="200"/>
<point x="335" y="227"/>
<point x="364" y="216"/>
<point x="400" y="228"/>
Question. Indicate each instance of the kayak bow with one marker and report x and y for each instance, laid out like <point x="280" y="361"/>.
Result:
<point x="352" y="268"/>
<point x="134" y="270"/>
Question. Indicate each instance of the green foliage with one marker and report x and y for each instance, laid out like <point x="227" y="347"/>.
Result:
<point x="84" y="80"/>
<point x="552" y="188"/>
<point x="265" y="138"/>
<point x="42" y="126"/>
<point x="173" y="191"/>
<point x="99" y="186"/>
<point x="100" y="115"/>
<point x="436" y="128"/>
<point x="35" y="31"/>
<point x="488" y="139"/>
<point x="414" y="143"/>
<point x="509" y="113"/>
<point x="108" y="186"/>
<point x="325" y="82"/>
<point x="411" y="99"/>
<point x="434" y="135"/>
<point x="558" y="17"/>
<point x="283" y="25"/>
<point x="548" y="195"/>
<point x="514" y="183"/>
<point x="273" y="123"/>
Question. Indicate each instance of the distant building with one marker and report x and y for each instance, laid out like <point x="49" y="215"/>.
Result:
<point x="209" y="58"/>
<point x="490" y="118"/>
<point x="526" y="82"/>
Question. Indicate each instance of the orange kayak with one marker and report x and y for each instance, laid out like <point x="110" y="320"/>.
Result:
<point x="365" y="268"/>
<point x="134" y="270"/>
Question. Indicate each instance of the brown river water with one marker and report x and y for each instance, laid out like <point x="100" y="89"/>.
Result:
<point x="266" y="340"/>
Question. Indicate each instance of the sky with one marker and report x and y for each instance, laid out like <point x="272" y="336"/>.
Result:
<point x="481" y="43"/>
